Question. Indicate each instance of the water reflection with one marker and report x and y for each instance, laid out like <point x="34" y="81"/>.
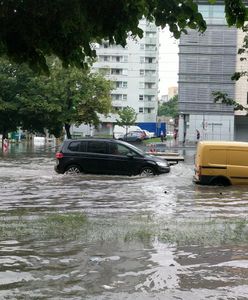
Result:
<point x="118" y="256"/>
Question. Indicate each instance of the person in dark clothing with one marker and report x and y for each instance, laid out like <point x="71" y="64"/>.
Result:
<point x="197" y="135"/>
<point x="162" y="136"/>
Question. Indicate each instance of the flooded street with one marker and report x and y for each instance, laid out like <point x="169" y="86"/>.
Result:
<point x="116" y="237"/>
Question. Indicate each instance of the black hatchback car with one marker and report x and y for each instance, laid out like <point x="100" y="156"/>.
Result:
<point x="107" y="156"/>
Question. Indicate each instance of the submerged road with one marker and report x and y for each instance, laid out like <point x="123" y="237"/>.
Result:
<point x="116" y="237"/>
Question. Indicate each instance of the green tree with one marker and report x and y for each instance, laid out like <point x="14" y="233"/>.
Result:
<point x="127" y="117"/>
<point x="23" y="99"/>
<point x="169" y="108"/>
<point x="8" y="108"/>
<point x="83" y="95"/>
<point x="31" y="30"/>
<point x="67" y="96"/>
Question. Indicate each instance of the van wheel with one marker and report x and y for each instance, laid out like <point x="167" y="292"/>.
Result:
<point x="220" y="181"/>
<point x="72" y="170"/>
<point x="147" y="171"/>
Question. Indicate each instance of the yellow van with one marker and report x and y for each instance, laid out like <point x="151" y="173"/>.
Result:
<point x="221" y="163"/>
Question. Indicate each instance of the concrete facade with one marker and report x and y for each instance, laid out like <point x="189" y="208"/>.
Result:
<point x="134" y="72"/>
<point x="206" y="63"/>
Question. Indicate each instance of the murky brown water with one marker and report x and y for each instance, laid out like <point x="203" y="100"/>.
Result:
<point x="145" y="238"/>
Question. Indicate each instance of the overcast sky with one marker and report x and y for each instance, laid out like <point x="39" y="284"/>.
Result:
<point x="168" y="61"/>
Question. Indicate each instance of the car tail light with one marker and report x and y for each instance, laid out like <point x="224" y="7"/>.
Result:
<point x="59" y="155"/>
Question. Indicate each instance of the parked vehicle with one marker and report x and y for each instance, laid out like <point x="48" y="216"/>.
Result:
<point x="221" y="163"/>
<point x="133" y="136"/>
<point x="119" y="131"/>
<point x="148" y="134"/>
<point x="107" y="156"/>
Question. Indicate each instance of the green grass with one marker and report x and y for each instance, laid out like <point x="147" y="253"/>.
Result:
<point x="76" y="226"/>
<point x="47" y="226"/>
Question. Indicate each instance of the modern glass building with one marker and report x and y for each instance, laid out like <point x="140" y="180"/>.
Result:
<point x="206" y="63"/>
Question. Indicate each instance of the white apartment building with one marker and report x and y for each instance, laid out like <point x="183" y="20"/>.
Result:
<point x="134" y="72"/>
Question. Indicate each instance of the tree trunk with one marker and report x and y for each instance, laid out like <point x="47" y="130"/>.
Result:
<point x="126" y="133"/>
<point x="67" y="130"/>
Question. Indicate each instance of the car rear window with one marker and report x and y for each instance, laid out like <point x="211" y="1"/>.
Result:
<point x="74" y="146"/>
<point x="77" y="146"/>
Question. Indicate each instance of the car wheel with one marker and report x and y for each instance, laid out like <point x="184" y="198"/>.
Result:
<point x="72" y="170"/>
<point x="220" y="181"/>
<point x="147" y="171"/>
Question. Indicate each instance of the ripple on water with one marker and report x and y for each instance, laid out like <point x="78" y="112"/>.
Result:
<point x="105" y="267"/>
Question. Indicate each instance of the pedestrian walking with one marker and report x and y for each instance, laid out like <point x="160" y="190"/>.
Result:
<point x="175" y="136"/>
<point x="184" y="137"/>
<point x="197" y="135"/>
<point x="162" y="136"/>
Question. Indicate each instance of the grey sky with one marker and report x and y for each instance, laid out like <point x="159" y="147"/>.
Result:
<point x="168" y="61"/>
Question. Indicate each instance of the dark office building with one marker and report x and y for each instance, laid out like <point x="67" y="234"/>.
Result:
<point x="206" y="64"/>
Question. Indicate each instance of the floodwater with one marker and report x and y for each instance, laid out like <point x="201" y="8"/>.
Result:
<point x="116" y="237"/>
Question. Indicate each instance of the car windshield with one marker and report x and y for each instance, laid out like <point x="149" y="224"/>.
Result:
<point x="139" y="151"/>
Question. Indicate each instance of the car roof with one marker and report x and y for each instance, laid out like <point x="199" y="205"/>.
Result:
<point x="95" y="139"/>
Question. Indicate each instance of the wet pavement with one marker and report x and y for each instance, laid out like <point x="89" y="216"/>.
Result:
<point x="116" y="237"/>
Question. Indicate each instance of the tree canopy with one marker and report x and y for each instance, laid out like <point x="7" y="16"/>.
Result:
<point x="169" y="108"/>
<point x="31" y="30"/>
<point x="127" y="117"/>
<point x="67" y="96"/>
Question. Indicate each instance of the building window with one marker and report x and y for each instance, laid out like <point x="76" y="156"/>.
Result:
<point x="118" y="84"/>
<point x="141" y="109"/>
<point x="121" y="84"/>
<point x="116" y="96"/>
<point x="149" y="97"/>
<point x="142" y="72"/>
<point x="150" y="46"/>
<point x="124" y="84"/>
<point x="116" y="71"/>
<point x="149" y="85"/>
<point x="124" y="97"/>
<point x="141" y="97"/>
<point x="142" y="46"/>
<point x="150" y="34"/>
<point x="150" y="72"/>
<point x="149" y="110"/>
